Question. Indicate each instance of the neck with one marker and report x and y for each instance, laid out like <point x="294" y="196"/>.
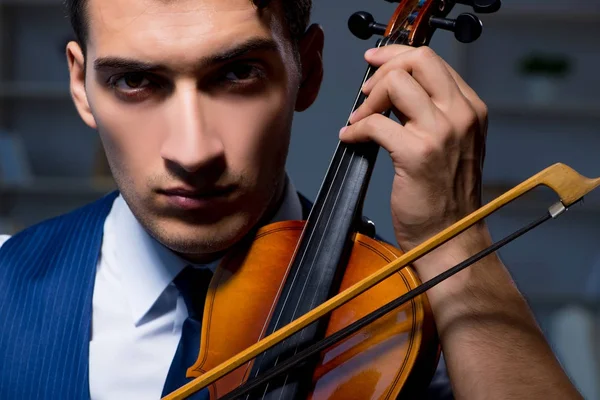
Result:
<point x="275" y="203"/>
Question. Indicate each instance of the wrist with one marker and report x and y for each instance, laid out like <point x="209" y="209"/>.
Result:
<point x="483" y="287"/>
<point x="488" y="275"/>
<point x="455" y="251"/>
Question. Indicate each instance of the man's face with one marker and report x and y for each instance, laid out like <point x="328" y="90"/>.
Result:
<point x="193" y="101"/>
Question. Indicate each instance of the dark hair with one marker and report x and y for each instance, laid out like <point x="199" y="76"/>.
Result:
<point x="296" y="13"/>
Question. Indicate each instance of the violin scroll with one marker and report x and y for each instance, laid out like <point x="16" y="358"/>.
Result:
<point x="415" y="21"/>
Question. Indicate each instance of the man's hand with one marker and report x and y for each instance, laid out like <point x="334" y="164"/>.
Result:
<point x="438" y="151"/>
<point x="492" y="345"/>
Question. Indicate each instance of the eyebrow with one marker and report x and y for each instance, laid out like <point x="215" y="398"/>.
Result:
<point x="250" y="46"/>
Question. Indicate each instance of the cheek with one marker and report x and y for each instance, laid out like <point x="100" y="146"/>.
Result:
<point x="131" y="135"/>
<point x="256" y="133"/>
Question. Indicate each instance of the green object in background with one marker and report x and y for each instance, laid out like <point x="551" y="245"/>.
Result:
<point x="551" y="65"/>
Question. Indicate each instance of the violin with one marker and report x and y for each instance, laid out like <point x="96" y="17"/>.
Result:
<point x="322" y="309"/>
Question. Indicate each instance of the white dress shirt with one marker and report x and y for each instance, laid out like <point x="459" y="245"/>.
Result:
<point x="137" y="311"/>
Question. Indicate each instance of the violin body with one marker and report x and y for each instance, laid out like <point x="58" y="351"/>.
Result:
<point x="394" y="357"/>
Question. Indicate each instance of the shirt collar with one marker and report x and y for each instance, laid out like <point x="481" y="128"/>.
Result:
<point x="147" y="267"/>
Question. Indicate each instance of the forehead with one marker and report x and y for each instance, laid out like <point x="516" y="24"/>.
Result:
<point x="175" y="29"/>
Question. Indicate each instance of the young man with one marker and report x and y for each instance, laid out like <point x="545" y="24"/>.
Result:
<point x="193" y="101"/>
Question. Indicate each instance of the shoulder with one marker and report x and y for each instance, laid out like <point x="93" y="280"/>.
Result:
<point x="3" y="238"/>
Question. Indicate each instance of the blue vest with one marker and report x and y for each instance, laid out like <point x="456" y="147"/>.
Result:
<point x="47" y="275"/>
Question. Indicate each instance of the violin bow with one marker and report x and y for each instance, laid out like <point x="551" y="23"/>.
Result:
<point x="568" y="184"/>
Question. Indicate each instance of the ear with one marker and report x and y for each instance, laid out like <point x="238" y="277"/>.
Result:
<point x="311" y="56"/>
<point x="76" y="62"/>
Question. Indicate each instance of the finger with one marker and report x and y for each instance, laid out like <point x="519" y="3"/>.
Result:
<point x="448" y="91"/>
<point x="398" y="90"/>
<point x="380" y="55"/>
<point x="390" y="135"/>
<point x="426" y="67"/>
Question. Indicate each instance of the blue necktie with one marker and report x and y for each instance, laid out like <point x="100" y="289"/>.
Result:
<point x="193" y="285"/>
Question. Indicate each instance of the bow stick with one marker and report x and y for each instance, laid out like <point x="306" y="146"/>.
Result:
<point x="568" y="184"/>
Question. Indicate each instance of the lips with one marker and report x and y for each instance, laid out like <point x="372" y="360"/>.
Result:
<point x="197" y="194"/>
<point x="187" y="199"/>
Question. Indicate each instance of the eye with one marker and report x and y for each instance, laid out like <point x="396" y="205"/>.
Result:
<point x="136" y="86"/>
<point x="131" y="80"/>
<point x="241" y="72"/>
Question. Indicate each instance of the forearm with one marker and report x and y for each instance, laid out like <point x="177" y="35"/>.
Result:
<point x="492" y="345"/>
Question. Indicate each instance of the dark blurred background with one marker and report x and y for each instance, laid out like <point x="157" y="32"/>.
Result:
<point x="535" y="66"/>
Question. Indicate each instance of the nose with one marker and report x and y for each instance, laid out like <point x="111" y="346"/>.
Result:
<point x="190" y="142"/>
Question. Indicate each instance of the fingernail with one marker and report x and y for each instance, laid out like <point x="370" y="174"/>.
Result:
<point x="343" y="130"/>
<point x="370" y="52"/>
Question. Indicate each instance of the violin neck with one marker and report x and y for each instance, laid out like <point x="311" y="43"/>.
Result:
<point x="338" y="207"/>
<point x="342" y="193"/>
<point x="320" y="256"/>
<point x="343" y="190"/>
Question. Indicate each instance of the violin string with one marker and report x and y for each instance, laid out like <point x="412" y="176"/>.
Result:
<point x="380" y="312"/>
<point x="353" y="155"/>
<point x="382" y="43"/>
<point x="311" y="268"/>
<point x="310" y="272"/>
<point x="301" y="255"/>
<point x="308" y="241"/>
<point x="288" y="294"/>
<point x="310" y="238"/>
<point x="295" y="276"/>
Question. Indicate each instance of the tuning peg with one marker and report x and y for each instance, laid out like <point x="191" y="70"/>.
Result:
<point x="482" y="6"/>
<point x="467" y="27"/>
<point x="363" y="25"/>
